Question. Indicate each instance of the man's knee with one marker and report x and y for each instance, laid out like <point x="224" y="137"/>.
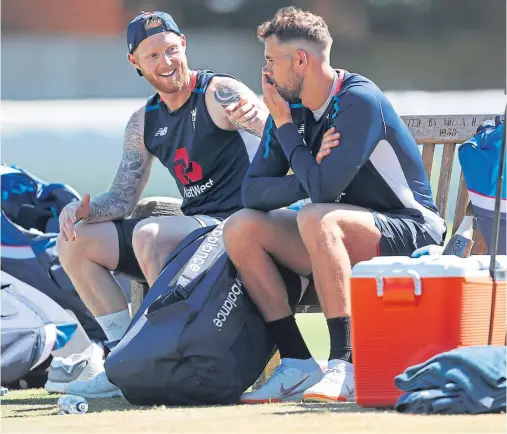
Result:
<point x="144" y="239"/>
<point x="68" y="250"/>
<point x="242" y="227"/>
<point x="89" y="244"/>
<point x="314" y="221"/>
<point x="353" y="227"/>
<point x="95" y="242"/>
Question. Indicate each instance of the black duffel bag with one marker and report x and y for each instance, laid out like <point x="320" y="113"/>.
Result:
<point x="197" y="337"/>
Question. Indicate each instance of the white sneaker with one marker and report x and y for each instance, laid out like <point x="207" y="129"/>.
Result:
<point x="80" y="367"/>
<point x="286" y="384"/>
<point x="337" y="384"/>
<point x="96" y="387"/>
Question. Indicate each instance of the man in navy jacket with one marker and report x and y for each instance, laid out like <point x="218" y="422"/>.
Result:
<point x="369" y="196"/>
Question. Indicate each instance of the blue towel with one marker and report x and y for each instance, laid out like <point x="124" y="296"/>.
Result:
<point x="468" y="380"/>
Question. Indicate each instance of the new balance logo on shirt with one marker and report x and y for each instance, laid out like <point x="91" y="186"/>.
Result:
<point x="161" y="132"/>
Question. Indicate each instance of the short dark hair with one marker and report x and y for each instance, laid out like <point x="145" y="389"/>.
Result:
<point x="291" y="23"/>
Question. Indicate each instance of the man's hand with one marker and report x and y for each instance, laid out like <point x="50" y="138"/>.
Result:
<point x="231" y="103"/>
<point x="246" y="114"/>
<point x="329" y="141"/>
<point x="71" y="214"/>
<point x="277" y="106"/>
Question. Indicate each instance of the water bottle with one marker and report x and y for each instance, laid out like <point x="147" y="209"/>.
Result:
<point x="461" y="242"/>
<point x="431" y="250"/>
<point x="72" y="404"/>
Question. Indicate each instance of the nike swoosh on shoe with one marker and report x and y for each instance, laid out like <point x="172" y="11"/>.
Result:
<point x="285" y="392"/>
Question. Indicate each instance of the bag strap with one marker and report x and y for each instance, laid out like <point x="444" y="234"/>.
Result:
<point x="196" y="268"/>
<point x="189" y="239"/>
<point x="200" y="262"/>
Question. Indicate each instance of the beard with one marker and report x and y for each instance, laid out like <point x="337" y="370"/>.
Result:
<point x="292" y="91"/>
<point x="174" y="83"/>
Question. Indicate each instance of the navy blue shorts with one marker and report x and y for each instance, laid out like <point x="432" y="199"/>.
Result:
<point x="402" y="234"/>
<point x="127" y="263"/>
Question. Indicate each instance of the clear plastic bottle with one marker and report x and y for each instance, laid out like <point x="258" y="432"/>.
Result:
<point x="73" y="404"/>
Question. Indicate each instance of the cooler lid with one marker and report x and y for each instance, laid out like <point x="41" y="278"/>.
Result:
<point x="430" y="266"/>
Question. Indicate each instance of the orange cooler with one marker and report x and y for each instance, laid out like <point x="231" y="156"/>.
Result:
<point x="406" y="310"/>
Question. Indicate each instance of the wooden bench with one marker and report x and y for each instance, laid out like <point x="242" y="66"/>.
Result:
<point x="430" y="132"/>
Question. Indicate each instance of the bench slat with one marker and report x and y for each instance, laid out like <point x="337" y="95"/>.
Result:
<point x="461" y="203"/>
<point x="427" y="156"/>
<point x="444" y="128"/>
<point x="444" y="181"/>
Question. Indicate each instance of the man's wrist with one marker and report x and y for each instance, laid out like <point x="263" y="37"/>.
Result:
<point x="282" y="121"/>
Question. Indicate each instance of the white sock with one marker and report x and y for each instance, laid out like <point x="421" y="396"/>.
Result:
<point x="305" y="365"/>
<point x="115" y="324"/>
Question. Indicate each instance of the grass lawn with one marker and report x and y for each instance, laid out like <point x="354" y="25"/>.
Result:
<point x="35" y="411"/>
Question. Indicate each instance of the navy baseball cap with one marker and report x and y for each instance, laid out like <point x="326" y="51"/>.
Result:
<point x="140" y="28"/>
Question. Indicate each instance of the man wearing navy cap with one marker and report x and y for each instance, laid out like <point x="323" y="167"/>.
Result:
<point x="205" y="128"/>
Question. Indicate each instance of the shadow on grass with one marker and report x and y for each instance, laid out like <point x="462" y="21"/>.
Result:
<point x="39" y="403"/>
<point x="46" y="405"/>
<point x="320" y="408"/>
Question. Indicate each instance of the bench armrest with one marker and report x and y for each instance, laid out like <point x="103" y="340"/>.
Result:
<point x="157" y="206"/>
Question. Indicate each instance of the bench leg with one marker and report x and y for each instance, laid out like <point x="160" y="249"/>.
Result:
<point x="137" y="293"/>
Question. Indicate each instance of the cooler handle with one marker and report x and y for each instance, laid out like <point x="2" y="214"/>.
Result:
<point x="400" y="273"/>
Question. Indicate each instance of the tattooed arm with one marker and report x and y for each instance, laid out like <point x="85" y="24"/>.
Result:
<point x="130" y="179"/>
<point x="233" y="106"/>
